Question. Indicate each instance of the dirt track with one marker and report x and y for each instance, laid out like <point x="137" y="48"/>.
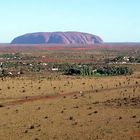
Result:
<point x="16" y="101"/>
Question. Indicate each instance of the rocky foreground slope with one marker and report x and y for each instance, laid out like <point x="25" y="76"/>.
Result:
<point x="57" y="38"/>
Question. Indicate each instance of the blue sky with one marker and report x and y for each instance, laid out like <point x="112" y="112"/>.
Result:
<point x="113" y="20"/>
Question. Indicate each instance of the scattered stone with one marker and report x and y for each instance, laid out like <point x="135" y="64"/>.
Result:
<point x="75" y="123"/>
<point x="62" y="111"/>
<point x="23" y="91"/>
<point x="71" y="118"/>
<point x="75" y="107"/>
<point x="32" y="127"/>
<point x="38" y="108"/>
<point x="26" y="131"/>
<point x="95" y="112"/>
<point x="120" y="118"/>
<point x="95" y="103"/>
<point x="134" y="116"/>
<point x="90" y="114"/>
<point x="90" y="108"/>
<point x="1" y="105"/>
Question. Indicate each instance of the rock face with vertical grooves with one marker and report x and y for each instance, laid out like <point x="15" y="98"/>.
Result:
<point x="58" y="38"/>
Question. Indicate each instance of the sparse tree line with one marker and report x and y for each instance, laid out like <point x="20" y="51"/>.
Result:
<point x="106" y="70"/>
<point x="114" y="70"/>
<point x="66" y="68"/>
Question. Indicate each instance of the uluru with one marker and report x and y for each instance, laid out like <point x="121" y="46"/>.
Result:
<point x="58" y="38"/>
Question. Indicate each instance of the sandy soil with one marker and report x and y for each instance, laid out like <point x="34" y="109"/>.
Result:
<point x="70" y="108"/>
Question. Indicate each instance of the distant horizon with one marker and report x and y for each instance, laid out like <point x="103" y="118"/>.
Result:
<point x="76" y="44"/>
<point x="71" y="31"/>
<point x="112" y="20"/>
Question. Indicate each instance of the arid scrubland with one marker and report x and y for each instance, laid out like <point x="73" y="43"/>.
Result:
<point x="69" y="107"/>
<point x="40" y="104"/>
